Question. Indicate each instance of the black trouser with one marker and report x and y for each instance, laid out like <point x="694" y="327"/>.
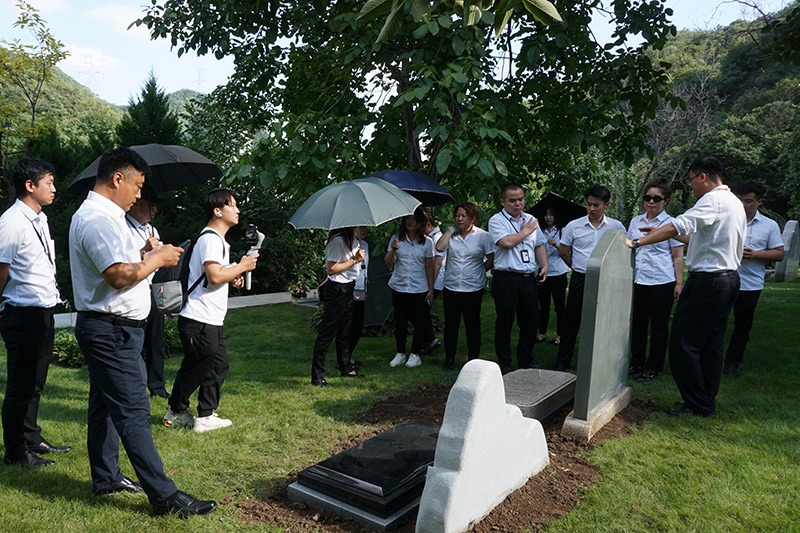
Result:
<point x="204" y="366"/>
<point x="155" y="353"/>
<point x="744" y="309"/>
<point x="697" y="337"/>
<point x="651" y="308"/>
<point x="572" y="320"/>
<point x="119" y="408"/>
<point x="555" y="287"/>
<point x="514" y="297"/>
<point x="456" y="305"/>
<point x="337" y="314"/>
<point x="28" y="334"/>
<point x="356" y="325"/>
<point x="410" y="307"/>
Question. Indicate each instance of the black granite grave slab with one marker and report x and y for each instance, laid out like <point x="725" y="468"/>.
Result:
<point x="382" y="474"/>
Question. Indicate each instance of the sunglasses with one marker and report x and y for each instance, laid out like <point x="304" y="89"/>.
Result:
<point x="656" y="198"/>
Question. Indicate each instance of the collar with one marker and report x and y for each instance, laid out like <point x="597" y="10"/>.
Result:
<point x="106" y="204"/>
<point x="757" y="218"/>
<point x="29" y="213"/>
<point x="510" y="217"/>
<point x="434" y="231"/>
<point x="603" y="222"/>
<point x="136" y="223"/>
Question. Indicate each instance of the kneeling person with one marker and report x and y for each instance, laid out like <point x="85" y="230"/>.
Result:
<point x="200" y="324"/>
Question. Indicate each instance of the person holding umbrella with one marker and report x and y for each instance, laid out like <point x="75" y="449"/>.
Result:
<point x="410" y="256"/>
<point x="470" y="254"/>
<point x="344" y="257"/>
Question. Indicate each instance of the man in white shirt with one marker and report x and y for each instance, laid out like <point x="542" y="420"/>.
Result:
<point x="29" y="295"/>
<point x="109" y="272"/>
<point x="200" y="324"/>
<point x="519" y="247"/>
<point x="763" y="245"/>
<point x="578" y="240"/>
<point x="139" y="219"/>
<point x="717" y="225"/>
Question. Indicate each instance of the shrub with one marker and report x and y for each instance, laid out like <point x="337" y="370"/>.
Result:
<point x="66" y="351"/>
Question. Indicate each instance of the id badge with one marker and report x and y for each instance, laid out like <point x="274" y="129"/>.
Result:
<point x="526" y="256"/>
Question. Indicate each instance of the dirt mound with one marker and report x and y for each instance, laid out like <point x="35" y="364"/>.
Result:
<point x="547" y="496"/>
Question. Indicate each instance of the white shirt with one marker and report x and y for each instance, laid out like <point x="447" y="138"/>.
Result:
<point x="435" y="235"/>
<point x="762" y="234"/>
<point x="363" y="269"/>
<point x="654" y="263"/>
<point x="409" y="274"/>
<point x="717" y="224"/>
<point x="465" y="256"/>
<point x="142" y="232"/>
<point x="556" y="265"/>
<point x="336" y="250"/>
<point x="583" y="237"/>
<point x="98" y="238"/>
<point x="207" y="303"/>
<point x="502" y="225"/>
<point x="29" y="252"/>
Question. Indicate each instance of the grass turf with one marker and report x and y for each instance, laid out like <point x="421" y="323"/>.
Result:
<point x="735" y="471"/>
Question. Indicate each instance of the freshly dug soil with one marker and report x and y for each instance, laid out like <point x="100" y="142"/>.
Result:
<point x="546" y="497"/>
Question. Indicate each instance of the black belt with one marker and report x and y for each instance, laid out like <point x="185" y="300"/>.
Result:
<point x="516" y="274"/>
<point x="718" y="274"/>
<point x="114" y="319"/>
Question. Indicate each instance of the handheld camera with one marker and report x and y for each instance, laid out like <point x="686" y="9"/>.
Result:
<point x="252" y="233"/>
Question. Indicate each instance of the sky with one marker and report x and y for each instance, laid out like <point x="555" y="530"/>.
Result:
<point x="114" y="61"/>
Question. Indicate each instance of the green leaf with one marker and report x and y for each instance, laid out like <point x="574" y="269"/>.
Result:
<point x="501" y="18"/>
<point x="420" y="8"/>
<point x="317" y="163"/>
<point x="443" y="160"/>
<point x="458" y="45"/>
<point x="283" y="169"/>
<point x="433" y="27"/>
<point x="374" y="9"/>
<point x="543" y="11"/>
<point x="421" y="32"/>
<point x="472" y="12"/>
<point x="393" y="22"/>
<point x="501" y="167"/>
<point x="486" y="168"/>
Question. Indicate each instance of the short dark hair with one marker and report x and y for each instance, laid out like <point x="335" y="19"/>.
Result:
<point x="662" y="185"/>
<point x="470" y="208"/>
<point x="116" y="160"/>
<point x="752" y="187"/>
<point x="599" y="191"/>
<point x="710" y="166"/>
<point x="29" y="169"/>
<point x="509" y="187"/>
<point x="433" y="220"/>
<point x="217" y="199"/>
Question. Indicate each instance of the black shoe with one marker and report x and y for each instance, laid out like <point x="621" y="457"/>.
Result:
<point x="430" y="347"/>
<point x="447" y="367"/>
<point x="635" y="370"/>
<point x="351" y="374"/>
<point x="319" y="382"/>
<point x="684" y="410"/>
<point x="123" y="485"/>
<point x="647" y="375"/>
<point x="46" y="447"/>
<point x="160" y="393"/>
<point x="29" y="460"/>
<point x="540" y="339"/>
<point x="183" y="505"/>
<point x="731" y="371"/>
<point x="560" y="368"/>
<point x="356" y="364"/>
<point x="555" y="342"/>
<point x="533" y="366"/>
<point x="506" y="370"/>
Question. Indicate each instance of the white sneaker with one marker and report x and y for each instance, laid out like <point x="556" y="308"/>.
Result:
<point x="210" y="422"/>
<point x="184" y="419"/>
<point x="398" y="360"/>
<point x="413" y="360"/>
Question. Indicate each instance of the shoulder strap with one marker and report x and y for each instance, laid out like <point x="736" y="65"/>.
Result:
<point x="202" y="277"/>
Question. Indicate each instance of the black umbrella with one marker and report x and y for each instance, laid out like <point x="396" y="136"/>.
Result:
<point x="171" y="167"/>
<point x="565" y="210"/>
<point x="417" y="185"/>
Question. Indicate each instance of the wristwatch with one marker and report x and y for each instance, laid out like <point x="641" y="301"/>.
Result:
<point x="636" y="243"/>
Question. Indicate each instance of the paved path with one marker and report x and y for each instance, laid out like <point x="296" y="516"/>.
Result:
<point x="67" y="320"/>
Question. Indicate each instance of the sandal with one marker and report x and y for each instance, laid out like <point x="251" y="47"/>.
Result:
<point x="555" y="342"/>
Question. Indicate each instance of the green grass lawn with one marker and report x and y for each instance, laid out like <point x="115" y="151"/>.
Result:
<point x="736" y="471"/>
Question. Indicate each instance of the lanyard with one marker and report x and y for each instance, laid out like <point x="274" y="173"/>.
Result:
<point x="511" y="222"/>
<point x="44" y="243"/>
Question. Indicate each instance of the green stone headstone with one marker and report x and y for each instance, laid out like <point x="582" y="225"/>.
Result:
<point x="786" y="270"/>
<point x="605" y="339"/>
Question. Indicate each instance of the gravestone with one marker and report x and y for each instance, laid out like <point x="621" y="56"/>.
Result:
<point x="786" y="270"/>
<point x="537" y="392"/>
<point x="486" y="450"/>
<point x="601" y="389"/>
<point x="376" y="483"/>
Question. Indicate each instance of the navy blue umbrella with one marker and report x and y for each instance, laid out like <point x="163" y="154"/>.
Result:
<point x="417" y="185"/>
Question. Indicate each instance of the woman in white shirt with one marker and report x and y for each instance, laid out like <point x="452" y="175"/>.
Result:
<point x="555" y="285"/>
<point x="411" y="256"/>
<point x="343" y="255"/>
<point x="470" y="253"/>
<point x="359" y="298"/>
<point x="657" y="282"/>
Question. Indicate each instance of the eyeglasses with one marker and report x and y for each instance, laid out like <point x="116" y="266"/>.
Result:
<point x="656" y="198"/>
